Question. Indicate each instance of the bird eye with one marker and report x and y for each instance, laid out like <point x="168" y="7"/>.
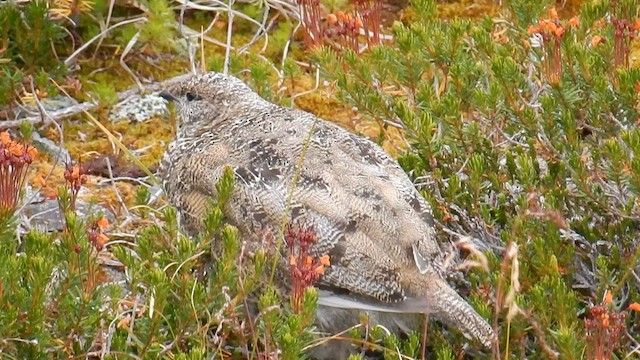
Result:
<point x="191" y="96"/>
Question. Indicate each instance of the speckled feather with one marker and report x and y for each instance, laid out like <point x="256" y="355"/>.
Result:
<point x="366" y="213"/>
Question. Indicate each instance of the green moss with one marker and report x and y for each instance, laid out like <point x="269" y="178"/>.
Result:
<point x="153" y="134"/>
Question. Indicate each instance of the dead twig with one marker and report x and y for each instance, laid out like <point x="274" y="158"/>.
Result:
<point x="75" y="54"/>
<point x="89" y="105"/>
<point x="539" y="333"/>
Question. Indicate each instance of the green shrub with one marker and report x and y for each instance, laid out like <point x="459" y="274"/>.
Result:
<point x="509" y="148"/>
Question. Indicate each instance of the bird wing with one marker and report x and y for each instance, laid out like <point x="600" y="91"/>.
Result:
<point x="362" y="207"/>
<point x="380" y="199"/>
<point x="357" y="263"/>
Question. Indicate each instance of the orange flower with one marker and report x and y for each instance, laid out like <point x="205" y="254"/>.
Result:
<point x="75" y="171"/>
<point x="553" y="13"/>
<point x="532" y="30"/>
<point x="542" y="25"/>
<point x="292" y="260"/>
<point x="634" y="307"/>
<point x="332" y="19"/>
<point x="559" y="31"/>
<point x="124" y="323"/>
<point x="597" y="40"/>
<point x="608" y="297"/>
<point x="549" y="27"/>
<point x="31" y="151"/>
<point x="605" y="320"/>
<point x="358" y="23"/>
<point x="636" y="25"/>
<point x="103" y="223"/>
<point x="319" y="270"/>
<point x="341" y="16"/>
<point x="5" y="137"/>
<point x="324" y="260"/>
<point x="574" y="21"/>
<point x="308" y="261"/>
<point x="16" y="149"/>
<point x="102" y="239"/>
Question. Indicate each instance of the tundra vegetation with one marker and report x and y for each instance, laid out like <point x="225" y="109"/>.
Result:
<point x="518" y="121"/>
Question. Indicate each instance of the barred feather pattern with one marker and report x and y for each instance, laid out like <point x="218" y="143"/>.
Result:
<point x="368" y="217"/>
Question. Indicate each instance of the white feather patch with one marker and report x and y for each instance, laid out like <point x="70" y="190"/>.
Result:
<point x="409" y="305"/>
<point x="420" y="261"/>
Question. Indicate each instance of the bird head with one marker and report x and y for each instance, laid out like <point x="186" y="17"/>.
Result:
<point x="205" y="100"/>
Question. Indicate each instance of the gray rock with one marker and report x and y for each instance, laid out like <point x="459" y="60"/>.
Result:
<point x="140" y="108"/>
<point x="44" y="214"/>
<point x="61" y="155"/>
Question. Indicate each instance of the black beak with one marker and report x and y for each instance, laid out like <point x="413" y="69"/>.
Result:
<point x="167" y="96"/>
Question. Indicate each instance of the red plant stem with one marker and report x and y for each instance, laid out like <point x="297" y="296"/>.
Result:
<point x="369" y="12"/>
<point x="557" y="59"/>
<point x="354" y="40"/>
<point x="12" y="178"/>
<point x="310" y="10"/>
<point x="317" y="22"/>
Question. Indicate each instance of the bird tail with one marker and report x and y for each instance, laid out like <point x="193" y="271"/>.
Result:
<point x="439" y="300"/>
<point x="450" y="308"/>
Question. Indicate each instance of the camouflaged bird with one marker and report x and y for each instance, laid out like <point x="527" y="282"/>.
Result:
<point x="366" y="214"/>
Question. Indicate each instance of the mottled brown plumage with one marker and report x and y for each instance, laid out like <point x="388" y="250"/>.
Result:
<point x="366" y="213"/>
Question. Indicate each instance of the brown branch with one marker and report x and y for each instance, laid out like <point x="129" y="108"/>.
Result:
<point x="539" y="333"/>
